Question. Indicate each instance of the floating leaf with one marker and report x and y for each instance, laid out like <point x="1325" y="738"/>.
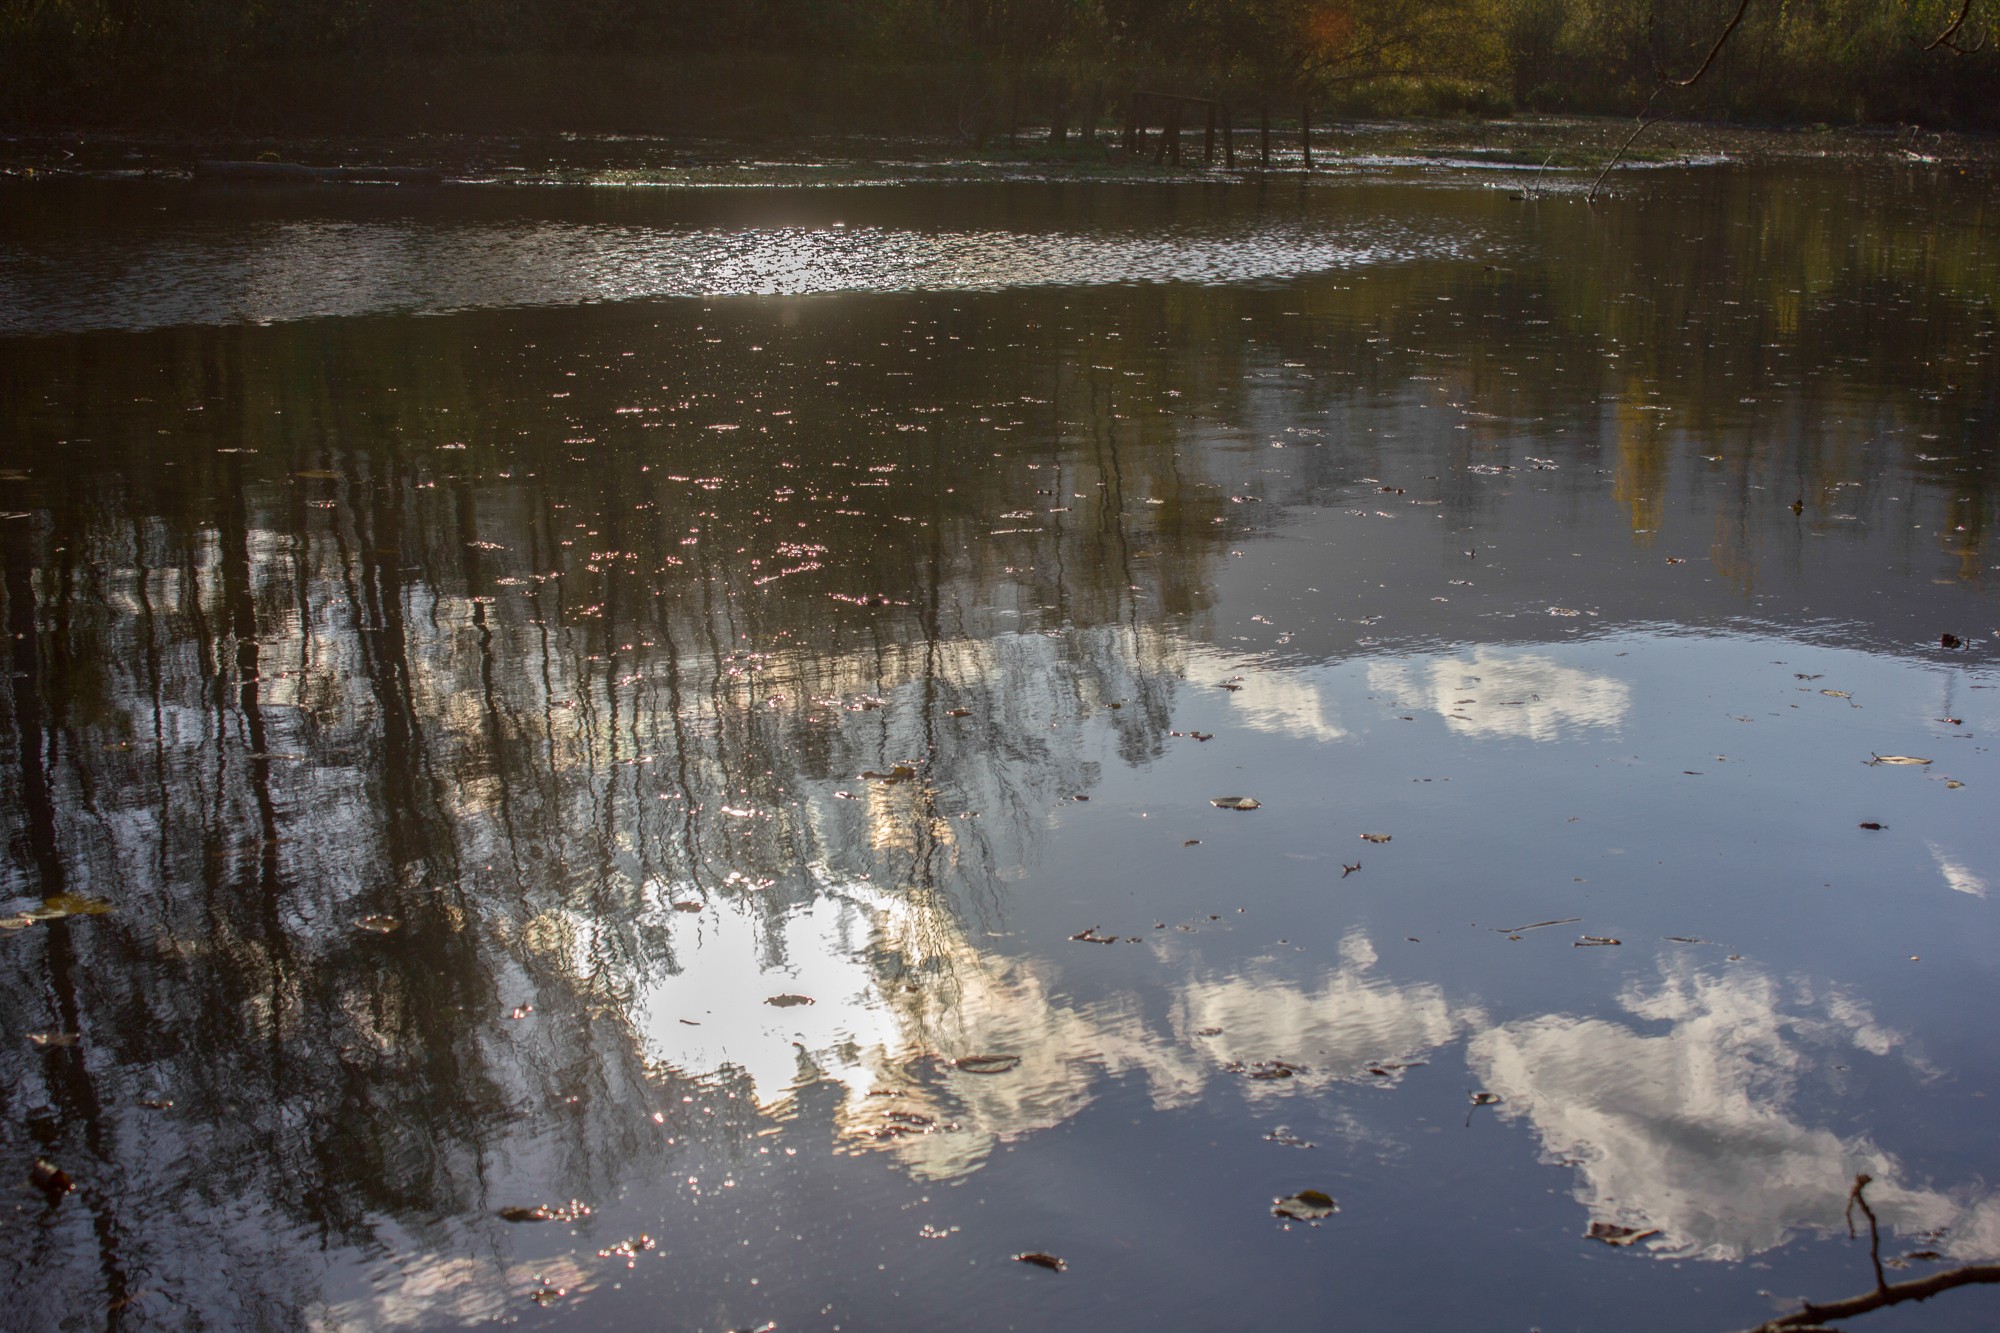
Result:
<point x="1375" y="837"/>
<point x="1596" y="941"/>
<point x="66" y="905"/>
<point x="1305" y="1206"/>
<point x="54" y="1039"/>
<point x="1895" y="759"/>
<point x="1836" y="694"/>
<point x="1090" y="936"/>
<point x="788" y="1001"/>
<point x="1284" y="1138"/>
<point x="958" y="712"/>
<point x="158" y="1103"/>
<point x="1485" y="1099"/>
<point x="378" y="925"/>
<point x="1951" y="784"/>
<point x="1040" y="1260"/>
<point x="1612" y="1234"/>
<point x="16" y="922"/>
<point x="50" y="1179"/>
<point x="689" y="905"/>
<point x="1871" y="824"/>
<point x="1273" y="1069"/>
<point x="986" y="1064"/>
<point x="900" y="773"/>
<point x="535" y="1214"/>
<point x="1235" y="802"/>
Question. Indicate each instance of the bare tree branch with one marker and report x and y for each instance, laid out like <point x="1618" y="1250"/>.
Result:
<point x="1811" y="1318"/>
<point x="1945" y="38"/>
<point x="1720" y="42"/>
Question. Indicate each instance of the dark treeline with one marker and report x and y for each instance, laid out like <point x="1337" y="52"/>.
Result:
<point x="968" y="67"/>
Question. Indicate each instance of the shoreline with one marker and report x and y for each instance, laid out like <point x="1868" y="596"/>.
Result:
<point x="1558" y="144"/>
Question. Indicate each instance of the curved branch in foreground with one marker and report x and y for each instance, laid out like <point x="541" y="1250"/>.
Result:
<point x="1819" y="1316"/>
<point x="1723" y="41"/>
<point x="1944" y="38"/>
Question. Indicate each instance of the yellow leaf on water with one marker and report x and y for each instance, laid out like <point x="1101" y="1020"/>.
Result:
<point x="1897" y="759"/>
<point x="67" y="905"/>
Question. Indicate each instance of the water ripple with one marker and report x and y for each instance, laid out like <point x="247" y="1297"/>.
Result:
<point x="303" y="270"/>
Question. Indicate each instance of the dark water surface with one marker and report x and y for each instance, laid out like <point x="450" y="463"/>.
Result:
<point x="481" y="659"/>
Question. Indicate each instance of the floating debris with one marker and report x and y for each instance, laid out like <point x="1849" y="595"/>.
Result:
<point x="64" y="905"/>
<point x="1875" y="759"/>
<point x="1090" y="935"/>
<point x="1040" y="1260"/>
<point x="51" y="1180"/>
<point x="573" y="1211"/>
<point x="1305" y="1206"/>
<point x="1284" y="1138"/>
<point x="1235" y="802"/>
<point x="378" y="925"/>
<point x="789" y="1001"/>
<point x="47" y="1040"/>
<point x="985" y="1064"/>
<point x="1486" y="1099"/>
<point x="1613" y="1234"/>
<point x="1375" y="837"/>
<point x="1536" y="925"/>
<point x="1596" y="942"/>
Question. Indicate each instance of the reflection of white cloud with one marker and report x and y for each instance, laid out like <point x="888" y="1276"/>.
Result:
<point x="1691" y="1131"/>
<point x="1956" y="873"/>
<point x="714" y="1011"/>
<point x="1527" y="695"/>
<point x="1285" y="705"/>
<point x="1336" y="1031"/>
<point x="431" y="1290"/>
<point x="901" y="999"/>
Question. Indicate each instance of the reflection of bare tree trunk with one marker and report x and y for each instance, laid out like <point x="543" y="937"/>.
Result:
<point x="68" y="1077"/>
<point x="239" y="595"/>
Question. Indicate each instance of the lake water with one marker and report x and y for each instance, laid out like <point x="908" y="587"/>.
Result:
<point x="702" y="713"/>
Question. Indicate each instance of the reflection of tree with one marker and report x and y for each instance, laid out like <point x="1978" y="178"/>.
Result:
<point x="338" y="678"/>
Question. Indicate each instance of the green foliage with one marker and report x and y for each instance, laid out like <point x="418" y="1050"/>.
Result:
<point x="287" y="63"/>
